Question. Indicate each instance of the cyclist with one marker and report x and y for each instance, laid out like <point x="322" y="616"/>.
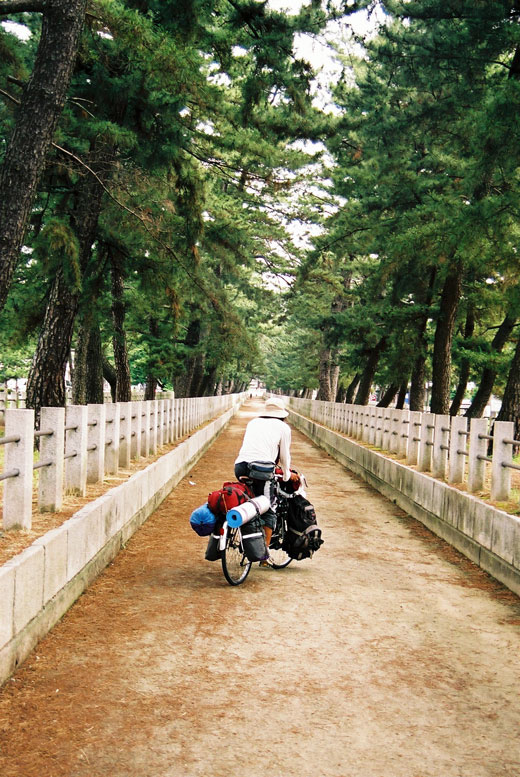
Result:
<point x="268" y="439"/>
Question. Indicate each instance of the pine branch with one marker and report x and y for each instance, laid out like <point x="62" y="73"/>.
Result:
<point x="21" y="6"/>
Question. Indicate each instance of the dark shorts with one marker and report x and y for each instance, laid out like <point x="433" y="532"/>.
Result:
<point x="260" y="488"/>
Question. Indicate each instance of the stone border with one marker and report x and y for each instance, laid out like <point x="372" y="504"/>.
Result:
<point x="488" y="536"/>
<point x="41" y="583"/>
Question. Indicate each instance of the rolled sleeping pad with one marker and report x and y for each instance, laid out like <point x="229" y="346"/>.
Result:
<point x="247" y="511"/>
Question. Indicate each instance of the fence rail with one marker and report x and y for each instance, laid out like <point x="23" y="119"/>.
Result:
<point x="75" y="448"/>
<point x="449" y="448"/>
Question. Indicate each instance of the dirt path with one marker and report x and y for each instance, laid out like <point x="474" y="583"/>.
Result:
<point x="387" y="655"/>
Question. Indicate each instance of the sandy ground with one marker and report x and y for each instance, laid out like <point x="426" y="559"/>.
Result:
<point x="387" y="655"/>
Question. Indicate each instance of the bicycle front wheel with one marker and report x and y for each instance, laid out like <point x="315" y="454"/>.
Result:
<point x="235" y="565"/>
<point x="279" y="558"/>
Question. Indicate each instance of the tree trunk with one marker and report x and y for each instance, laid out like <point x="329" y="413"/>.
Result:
<point x="367" y="377"/>
<point x="183" y="382"/>
<point x="109" y="375"/>
<point x="334" y="378"/>
<point x="351" y="390"/>
<point x="151" y="387"/>
<point x="510" y="410"/>
<point x="464" y="366"/>
<point x="40" y="108"/>
<point x="46" y="381"/>
<point x="325" y="388"/>
<point x="208" y="383"/>
<point x="418" y="376"/>
<point x="123" y="380"/>
<point x="198" y="376"/>
<point x="399" y="405"/>
<point x="418" y="383"/>
<point x="388" y="395"/>
<point x="487" y="380"/>
<point x="94" y="381"/>
<point x="441" y="359"/>
<point x="81" y="366"/>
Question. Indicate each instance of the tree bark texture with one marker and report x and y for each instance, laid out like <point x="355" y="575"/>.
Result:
<point x="351" y="389"/>
<point x="46" y="382"/>
<point x="207" y="387"/>
<point x="79" y="380"/>
<point x="401" y="396"/>
<point x="510" y="410"/>
<point x="123" y="382"/>
<point x="47" y="374"/>
<point x="94" y="382"/>
<point x="367" y="377"/>
<point x="109" y="375"/>
<point x="441" y="359"/>
<point x="487" y="380"/>
<point x="325" y="388"/>
<point x="464" y="367"/>
<point x="418" y="376"/>
<point x="334" y="379"/>
<point x="151" y="379"/>
<point x="183" y="382"/>
<point x="388" y="395"/>
<point x="37" y="116"/>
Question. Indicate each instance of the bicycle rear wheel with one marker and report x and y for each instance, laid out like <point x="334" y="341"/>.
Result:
<point x="235" y="565"/>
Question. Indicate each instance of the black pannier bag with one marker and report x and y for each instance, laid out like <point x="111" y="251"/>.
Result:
<point x="213" y="552"/>
<point x="253" y="540"/>
<point x="303" y="537"/>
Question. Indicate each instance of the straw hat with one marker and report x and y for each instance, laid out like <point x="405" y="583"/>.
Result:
<point x="275" y="408"/>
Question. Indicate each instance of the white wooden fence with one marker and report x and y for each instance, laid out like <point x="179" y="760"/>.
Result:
<point x="80" y="444"/>
<point x="15" y="398"/>
<point x="448" y="447"/>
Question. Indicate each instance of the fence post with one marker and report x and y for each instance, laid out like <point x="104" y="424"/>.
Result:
<point x="112" y="410"/>
<point x="145" y="438"/>
<point x="441" y="445"/>
<point x="153" y="425"/>
<point x="404" y="431"/>
<point x="357" y="421"/>
<point x="371" y="425"/>
<point x="395" y="429"/>
<point x="125" y="434"/>
<point x="19" y="456"/>
<point x="386" y="424"/>
<point x="50" y="486"/>
<point x="414" y="437"/>
<point x="137" y="424"/>
<point x="349" y="418"/>
<point x="458" y="446"/>
<point x="76" y="430"/>
<point x="378" y="438"/>
<point x="426" y="443"/>
<point x="184" y="425"/>
<point x="96" y="443"/>
<point x="167" y="405"/>
<point x="477" y="454"/>
<point x="160" y="423"/>
<point x="502" y="455"/>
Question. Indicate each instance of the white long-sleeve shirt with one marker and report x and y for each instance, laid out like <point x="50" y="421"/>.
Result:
<point x="262" y="440"/>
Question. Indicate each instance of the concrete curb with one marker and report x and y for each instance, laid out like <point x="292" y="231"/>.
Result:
<point x="41" y="583"/>
<point x="488" y="536"/>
